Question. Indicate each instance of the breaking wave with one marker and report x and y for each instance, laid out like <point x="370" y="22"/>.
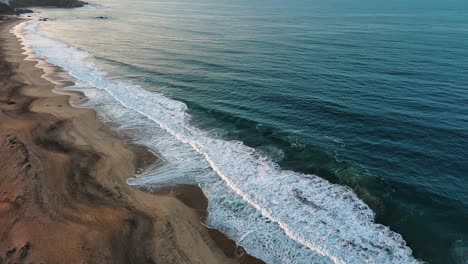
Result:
<point x="277" y="215"/>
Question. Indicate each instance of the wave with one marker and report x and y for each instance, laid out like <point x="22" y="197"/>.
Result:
<point x="277" y="215"/>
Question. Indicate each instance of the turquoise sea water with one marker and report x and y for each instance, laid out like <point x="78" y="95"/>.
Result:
<point x="371" y="95"/>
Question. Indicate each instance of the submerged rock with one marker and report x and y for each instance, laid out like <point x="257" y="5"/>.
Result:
<point x="460" y="252"/>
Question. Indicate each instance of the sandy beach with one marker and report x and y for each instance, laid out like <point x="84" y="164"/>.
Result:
<point x="63" y="191"/>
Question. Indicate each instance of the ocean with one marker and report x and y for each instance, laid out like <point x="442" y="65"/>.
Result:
<point x="320" y="131"/>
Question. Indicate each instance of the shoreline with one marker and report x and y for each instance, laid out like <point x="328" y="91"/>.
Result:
<point x="64" y="187"/>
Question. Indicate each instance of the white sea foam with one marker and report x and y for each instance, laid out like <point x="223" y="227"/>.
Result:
<point x="279" y="216"/>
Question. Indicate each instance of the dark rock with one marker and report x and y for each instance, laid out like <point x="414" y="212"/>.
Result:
<point x="101" y="17"/>
<point x="10" y="252"/>
<point x="19" y="201"/>
<point x="51" y="3"/>
<point x="20" y="11"/>
<point x="83" y="3"/>
<point x="24" y="250"/>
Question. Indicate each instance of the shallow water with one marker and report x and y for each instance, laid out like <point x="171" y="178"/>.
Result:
<point x="250" y="100"/>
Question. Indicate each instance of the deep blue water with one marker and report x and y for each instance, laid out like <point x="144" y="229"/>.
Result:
<point x="372" y="95"/>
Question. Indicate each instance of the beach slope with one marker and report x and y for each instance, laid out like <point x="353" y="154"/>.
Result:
<point x="63" y="191"/>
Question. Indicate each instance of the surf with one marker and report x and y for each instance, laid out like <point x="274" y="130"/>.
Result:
<point x="277" y="215"/>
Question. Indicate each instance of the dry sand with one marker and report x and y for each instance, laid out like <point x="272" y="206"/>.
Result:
<point x="63" y="191"/>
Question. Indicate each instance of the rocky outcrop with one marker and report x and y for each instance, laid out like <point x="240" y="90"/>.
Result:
<point x="19" y="11"/>
<point x="53" y="3"/>
<point x="17" y="7"/>
<point x="5" y="9"/>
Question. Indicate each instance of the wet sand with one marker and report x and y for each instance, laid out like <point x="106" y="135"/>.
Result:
<point x="63" y="191"/>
